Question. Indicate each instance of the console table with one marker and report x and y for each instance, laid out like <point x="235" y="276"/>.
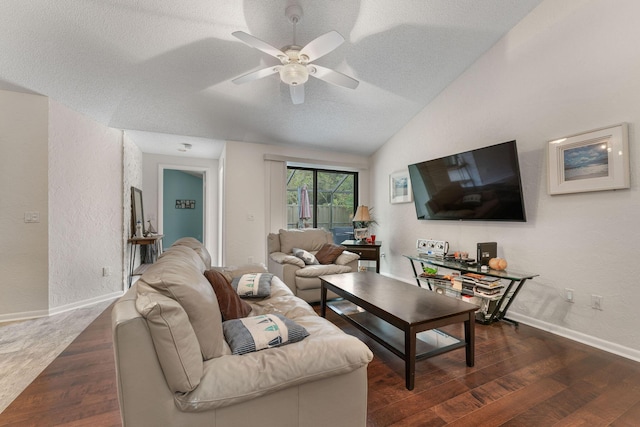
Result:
<point x="496" y="305"/>
<point x="154" y="243"/>
<point x="367" y="251"/>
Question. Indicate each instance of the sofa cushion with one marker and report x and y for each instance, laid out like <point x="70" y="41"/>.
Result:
<point x="261" y="332"/>
<point x="253" y="285"/>
<point x="197" y="246"/>
<point x="231" y="305"/>
<point x="177" y="278"/>
<point x="329" y="252"/>
<point x="237" y="271"/>
<point x="321" y="270"/>
<point x="175" y="341"/>
<point x="185" y="254"/>
<point x="307" y="257"/>
<point x="309" y="239"/>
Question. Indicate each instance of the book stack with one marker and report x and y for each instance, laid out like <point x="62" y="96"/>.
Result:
<point x="482" y="285"/>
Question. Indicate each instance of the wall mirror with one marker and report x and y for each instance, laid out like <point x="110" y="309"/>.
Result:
<point x="137" y="213"/>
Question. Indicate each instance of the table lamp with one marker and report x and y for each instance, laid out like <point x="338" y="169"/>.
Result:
<point x="361" y="221"/>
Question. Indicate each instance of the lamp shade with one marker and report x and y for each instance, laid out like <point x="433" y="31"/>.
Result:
<point x="362" y="214"/>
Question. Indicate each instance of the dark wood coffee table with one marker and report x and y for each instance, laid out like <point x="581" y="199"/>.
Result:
<point x="393" y="312"/>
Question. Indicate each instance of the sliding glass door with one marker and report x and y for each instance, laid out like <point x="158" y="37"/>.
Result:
<point x="322" y="199"/>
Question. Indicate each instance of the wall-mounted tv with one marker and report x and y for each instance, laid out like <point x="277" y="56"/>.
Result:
<point x="482" y="185"/>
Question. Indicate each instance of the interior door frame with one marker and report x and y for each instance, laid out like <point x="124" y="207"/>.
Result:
<point x="208" y="207"/>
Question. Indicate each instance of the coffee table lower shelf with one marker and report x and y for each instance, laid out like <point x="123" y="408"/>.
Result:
<point x="428" y="343"/>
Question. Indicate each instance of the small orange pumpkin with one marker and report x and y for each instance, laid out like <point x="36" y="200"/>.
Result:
<point x="498" y="263"/>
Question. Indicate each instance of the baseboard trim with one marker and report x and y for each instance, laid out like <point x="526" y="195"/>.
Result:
<point x="610" y="347"/>
<point x="85" y="303"/>
<point x="580" y="337"/>
<point x="25" y="315"/>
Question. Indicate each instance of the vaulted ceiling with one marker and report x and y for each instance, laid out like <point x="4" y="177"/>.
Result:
<point x="163" y="68"/>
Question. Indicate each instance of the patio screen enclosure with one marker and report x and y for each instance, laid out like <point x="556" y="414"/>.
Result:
<point x="322" y="199"/>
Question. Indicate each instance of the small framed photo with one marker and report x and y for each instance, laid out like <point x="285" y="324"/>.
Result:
<point x="400" y="187"/>
<point x="185" y="204"/>
<point x="591" y="161"/>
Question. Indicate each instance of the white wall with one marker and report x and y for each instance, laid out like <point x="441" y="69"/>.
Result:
<point x="69" y="169"/>
<point x="23" y="187"/>
<point x="244" y="193"/>
<point x="568" y="67"/>
<point x="85" y="208"/>
<point x="150" y="191"/>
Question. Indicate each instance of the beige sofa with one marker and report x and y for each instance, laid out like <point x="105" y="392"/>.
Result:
<point x="174" y="367"/>
<point x="302" y="279"/>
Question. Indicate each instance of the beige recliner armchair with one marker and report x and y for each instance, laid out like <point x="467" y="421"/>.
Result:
<point x="303" y="278"/>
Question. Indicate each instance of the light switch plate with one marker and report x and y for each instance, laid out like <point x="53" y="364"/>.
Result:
<point x="32" y="216"/>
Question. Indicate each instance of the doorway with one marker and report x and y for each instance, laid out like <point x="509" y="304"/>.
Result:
<point x="182" y="203"/>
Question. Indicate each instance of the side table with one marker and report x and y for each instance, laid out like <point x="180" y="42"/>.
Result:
<point x="155" y="241"/>
<point x="367" y="251"/>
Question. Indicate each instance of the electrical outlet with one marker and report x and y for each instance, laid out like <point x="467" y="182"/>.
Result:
<point x="568" y="295"/>
<point x="596" y="302"/>
<point x="432" y="247"/>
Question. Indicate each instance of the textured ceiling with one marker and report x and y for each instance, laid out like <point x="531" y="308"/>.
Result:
<point x="165" y="66"/>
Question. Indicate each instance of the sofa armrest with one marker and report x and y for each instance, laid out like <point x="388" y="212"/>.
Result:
<point x="346" y="257"/>
<point x="282" y="258"/>
<point x="143" y="394"/>
<point x="286" y="272"/>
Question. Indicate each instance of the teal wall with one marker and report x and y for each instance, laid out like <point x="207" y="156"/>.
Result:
<point x="177" y="223"/>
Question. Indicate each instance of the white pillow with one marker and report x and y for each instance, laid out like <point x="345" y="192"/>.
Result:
<point x="253" y="285"/>
<point x="307" y="257"/>
<point x="255" y="333"/>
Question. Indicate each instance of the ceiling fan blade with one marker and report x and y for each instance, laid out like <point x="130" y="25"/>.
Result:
<point x="332" y="76"/>
<point x="255" y="75"/>
<point x="297" y="94"/>
<point x="255" y="42"/>
<point x="322" y="45"/>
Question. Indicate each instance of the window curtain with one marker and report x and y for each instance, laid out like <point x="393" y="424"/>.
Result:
<point x="276" y="195"/>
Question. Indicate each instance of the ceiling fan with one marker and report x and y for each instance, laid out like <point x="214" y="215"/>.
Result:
<point x="296" y="66"/>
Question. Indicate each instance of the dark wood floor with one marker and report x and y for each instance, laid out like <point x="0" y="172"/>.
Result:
<point x="522" y="377"/>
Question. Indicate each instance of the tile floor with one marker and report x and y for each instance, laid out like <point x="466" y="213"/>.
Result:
<point x="28" y="346"/>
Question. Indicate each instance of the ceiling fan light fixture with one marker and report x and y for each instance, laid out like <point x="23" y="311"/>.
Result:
<point x="296" y="60"/>
<point x="294" y="74"/>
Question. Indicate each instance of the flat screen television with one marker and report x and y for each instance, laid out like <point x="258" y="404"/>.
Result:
<point x="482" y="185"/>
